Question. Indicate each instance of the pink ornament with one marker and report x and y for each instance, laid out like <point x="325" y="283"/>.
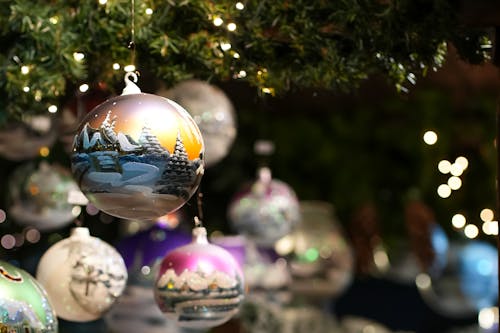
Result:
<point x="199" y="285"/>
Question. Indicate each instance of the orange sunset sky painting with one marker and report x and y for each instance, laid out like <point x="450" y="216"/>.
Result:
<point x="164" y="120"/>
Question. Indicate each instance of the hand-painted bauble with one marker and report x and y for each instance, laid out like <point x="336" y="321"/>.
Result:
<point x="45" y="197"/>
<point x="321" y="259"/>
<point x="23" y="140"/>
<point x="24" y="306"/>
<point x="199" y="285"/>
<point x="82" y="275"/>
<point x="264" y="211"/>
<point x="212" y="111"/>
<point x="138" y="156"/>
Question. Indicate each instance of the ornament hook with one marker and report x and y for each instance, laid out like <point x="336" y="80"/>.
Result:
<point x="130" y="87"/>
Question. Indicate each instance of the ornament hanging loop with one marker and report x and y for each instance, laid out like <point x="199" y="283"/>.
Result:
<point x="130" y="87"/>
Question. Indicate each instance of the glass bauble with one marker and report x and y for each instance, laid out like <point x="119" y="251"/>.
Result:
<point x="138" y="156"/>
<point x="24" y="306"/>
<point x="264" y="211"/>
<point x="320" y="257"/>
<point x="212" y="111"/>
<point x="44" y="197"/>
<point x="82" y="275"/>
<point x="22" y="140"/>
<point x="199" y="285"/>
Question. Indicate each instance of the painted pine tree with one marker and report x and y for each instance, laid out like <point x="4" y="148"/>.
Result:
<point x="179" y="172"/>
<point x="108" y="128"/>
<point x="150" y="142"/>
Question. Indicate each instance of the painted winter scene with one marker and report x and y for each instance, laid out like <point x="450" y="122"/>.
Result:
<point x="142" y="166"/>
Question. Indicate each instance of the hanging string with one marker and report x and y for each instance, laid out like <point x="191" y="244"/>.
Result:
<point x="198" y="220"/>
<point x="131" y="44"/>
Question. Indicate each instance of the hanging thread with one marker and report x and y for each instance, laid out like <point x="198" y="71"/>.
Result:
<point x="131" y="44"/>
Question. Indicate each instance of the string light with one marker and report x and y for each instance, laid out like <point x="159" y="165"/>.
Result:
<point x="78" y="56"/>
<point x="462" y="161"/>
<point x="267" y="90"/>
<point x="116" y="66"/>
<point x="25" y="70"/>
<point x="454" y="183"/>
<point x="444" y="166"/>
<point x="231" y="26"/>
<point x="149" y="11"/>
<point x="103" y="2"/>
<point x="52" y="109"/>
<point x="471" y="231"/>
<point x="3" y="216"/>
<point x="444" y="191"/>
<point x="44" y="151"/>
<point x="488" y="317"/>
<point x="8" y="241"/>
<point x="83" y="88"/>
<point x="26" y="89"/>
<point x="430" y="137"/>
<point x="236" y="55"/>
<point x="217" y="21"/>
<point x="242" y="74"/>
<point x="129" y="68"/>
<point x="486" y="215"/>
<point x="54" y="20"/>
<point x="239" y="6"/>
<point x="490" y="228"/>
<point x="458" y="221"/>
<point x="32" y="235"/>
<point x="456" y="169"/>
<point x="225" y="46"/>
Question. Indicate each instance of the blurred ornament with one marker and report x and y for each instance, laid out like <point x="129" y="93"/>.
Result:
<point x="321" y="260"/>
<point x="468" y="283"/>
<point x="265" y="211"/>
<point x="45" y="197"/>
<point x="136" y="309"/>
<point x="479" y="273"/>
<point x="23" y="140"/>
<point x="138" y="156"/>
<point x="212" y="110"/>
<point x="83" y="276"/>
<point x="199" y="285"/>
<point x="24" y="306"/>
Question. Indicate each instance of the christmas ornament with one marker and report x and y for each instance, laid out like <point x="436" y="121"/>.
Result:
<point x="24" y="306"/>
<point x="45" y="197"/>
<point x="212" y="110"/>
<point x="320" y="257"/>
<point x="23" y="140"/>
<point x="264" y="211"/>
<point x="83" y="276"/>
<point x="479" y="273"/>
<point x="138" y="156"/>
<point x="199" y="285"/>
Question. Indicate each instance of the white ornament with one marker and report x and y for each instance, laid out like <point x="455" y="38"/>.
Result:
<point x="82" y="275"/>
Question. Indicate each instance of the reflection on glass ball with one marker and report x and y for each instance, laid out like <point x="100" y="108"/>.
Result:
<point x="24" y="306"/>
<point x="82" y="275"/>
<point x="45" y="197"/>
<point x="138" y="156"/>
<point x="320" y="257"/>
<point x="265" y="211"/>
<point x="23" y="140"/>
<point x="199" y="285"/>
<point x="212" y="111"/>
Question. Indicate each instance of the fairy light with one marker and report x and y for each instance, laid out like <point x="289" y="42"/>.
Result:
<point x="430" y="137"/>
<point x="267" y="90"/>
<point x="149" y="11"/>
<point x="78" y="56"/>
<point x="423" y="281"/>
<point x="25" y="70"/>
<point x="487" y="318"/>
<point x="44" y="151"/>
<point x="54" y="20"/>
<point x="217" y="21"/>
<point x="242" y="74"/>
<point x="26" y="89"/>
<point x="458" y="221"/>
<point x="116" y="66"/>
<point x="32" y="235"/>
<point x="471" y="231"/>
<point x="83" y="88"/>
<point x="456" y="169"/>
<point x="8" y="241"/>
<point x="444" y="166"/>
<point x="462" y="161"/>
<point x="225" y="46"/>
<point x="486" y="215"/>
<point x="454" y="183"/>
<point x="239" y="6"/>
<point x="236" y="55"/>
<point x="129" y="68"/>
<point x="444" y="191"/>
<point x="231" y="26"/>
<point x="3" y="216"/>
<point x="52" y="109"/>
<point x="103" y="2"/>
